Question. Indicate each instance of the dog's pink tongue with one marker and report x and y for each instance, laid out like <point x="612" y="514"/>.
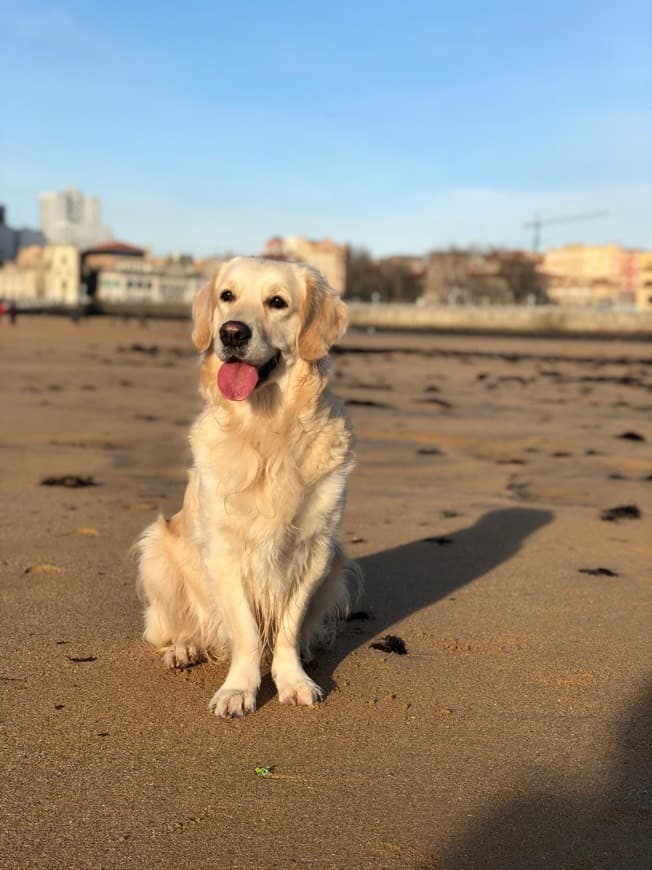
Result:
<point x="236" y="380"/>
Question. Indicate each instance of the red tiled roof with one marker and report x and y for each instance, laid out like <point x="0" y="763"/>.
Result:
<point x="116" y="248"/>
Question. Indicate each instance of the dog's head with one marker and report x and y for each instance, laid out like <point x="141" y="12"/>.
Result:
<point x="259" y="317"/>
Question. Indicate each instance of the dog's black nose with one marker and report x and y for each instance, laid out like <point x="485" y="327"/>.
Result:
<point x="234" y="333"/>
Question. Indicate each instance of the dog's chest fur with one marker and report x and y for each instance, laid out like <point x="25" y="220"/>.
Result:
<point x="269" y="488"/>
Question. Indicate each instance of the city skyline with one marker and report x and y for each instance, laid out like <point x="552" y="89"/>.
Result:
<point x="206" y="131"/>
<point x="574" y="230"/>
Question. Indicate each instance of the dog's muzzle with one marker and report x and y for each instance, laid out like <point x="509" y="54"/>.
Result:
<point x="234" y="334"/>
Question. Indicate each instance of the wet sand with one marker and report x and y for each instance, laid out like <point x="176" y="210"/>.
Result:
<point x="514" y="733"/>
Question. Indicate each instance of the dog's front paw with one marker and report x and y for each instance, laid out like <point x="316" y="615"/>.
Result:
<point x="301" y="693"/>
<point x="232" y="703"/>
<point x="182" y="655"/>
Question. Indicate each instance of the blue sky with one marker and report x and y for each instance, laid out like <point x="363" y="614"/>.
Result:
<point x="209" y="126"/>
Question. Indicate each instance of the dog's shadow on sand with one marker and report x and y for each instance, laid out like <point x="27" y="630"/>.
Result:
<point x="403" y="580"/>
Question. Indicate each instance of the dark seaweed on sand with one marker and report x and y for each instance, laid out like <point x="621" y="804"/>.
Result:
<point x="622" y="512"/>
<point x="631" y="436"/>
<point x="72" y="481"/>
<point x="365" y="403"/>
<point x="390" y="644"/>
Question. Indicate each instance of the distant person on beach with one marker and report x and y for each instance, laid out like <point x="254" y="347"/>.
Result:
<point x="13" y="313"/>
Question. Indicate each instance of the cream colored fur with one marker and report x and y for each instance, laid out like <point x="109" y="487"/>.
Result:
<point x="252" y="561"/>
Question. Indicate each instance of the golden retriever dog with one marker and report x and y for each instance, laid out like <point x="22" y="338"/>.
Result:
<point x="252" y="562"/>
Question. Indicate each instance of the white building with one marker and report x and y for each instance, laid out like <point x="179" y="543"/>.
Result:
<point x="70" y="218"/>
<point x="149" y="287"/>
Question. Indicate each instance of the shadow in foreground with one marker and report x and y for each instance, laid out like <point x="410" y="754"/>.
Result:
<point x="554" y="826"/>
<point x="404" y="580"/>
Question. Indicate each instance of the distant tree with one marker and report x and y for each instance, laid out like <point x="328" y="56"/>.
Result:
<point x="453" y="276"/>
<point x="402" y="283"/>
<point x="364" y="280"/>
<point x="475" y="276"/>
<point x="391" y="279"/>
<point x="447" y="276"/>
<point x="520" y="271"/>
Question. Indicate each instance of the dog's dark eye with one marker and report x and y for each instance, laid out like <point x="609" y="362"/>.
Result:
<point x="277" y="302"/>
<point x="226" y="296"/>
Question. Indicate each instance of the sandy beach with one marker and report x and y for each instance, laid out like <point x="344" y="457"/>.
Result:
<point x="515" y="733"/>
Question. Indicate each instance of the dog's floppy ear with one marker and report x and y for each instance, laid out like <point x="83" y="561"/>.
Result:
<point x="323" y="317"/>
<point x="202" y="317"/>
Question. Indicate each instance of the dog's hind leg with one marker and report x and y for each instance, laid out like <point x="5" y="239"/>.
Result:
<point x="173" y="621"/>
<point x="330" y="604"/>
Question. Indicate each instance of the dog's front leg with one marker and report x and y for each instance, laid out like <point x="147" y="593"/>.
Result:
<point x="293" y="683"/>
<point x="237" y="696"/>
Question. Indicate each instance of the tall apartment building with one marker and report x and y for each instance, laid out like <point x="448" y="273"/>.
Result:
<point x="70" y="218"/>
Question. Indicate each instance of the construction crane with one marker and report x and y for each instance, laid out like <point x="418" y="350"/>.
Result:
<point x="538" y="222"/>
